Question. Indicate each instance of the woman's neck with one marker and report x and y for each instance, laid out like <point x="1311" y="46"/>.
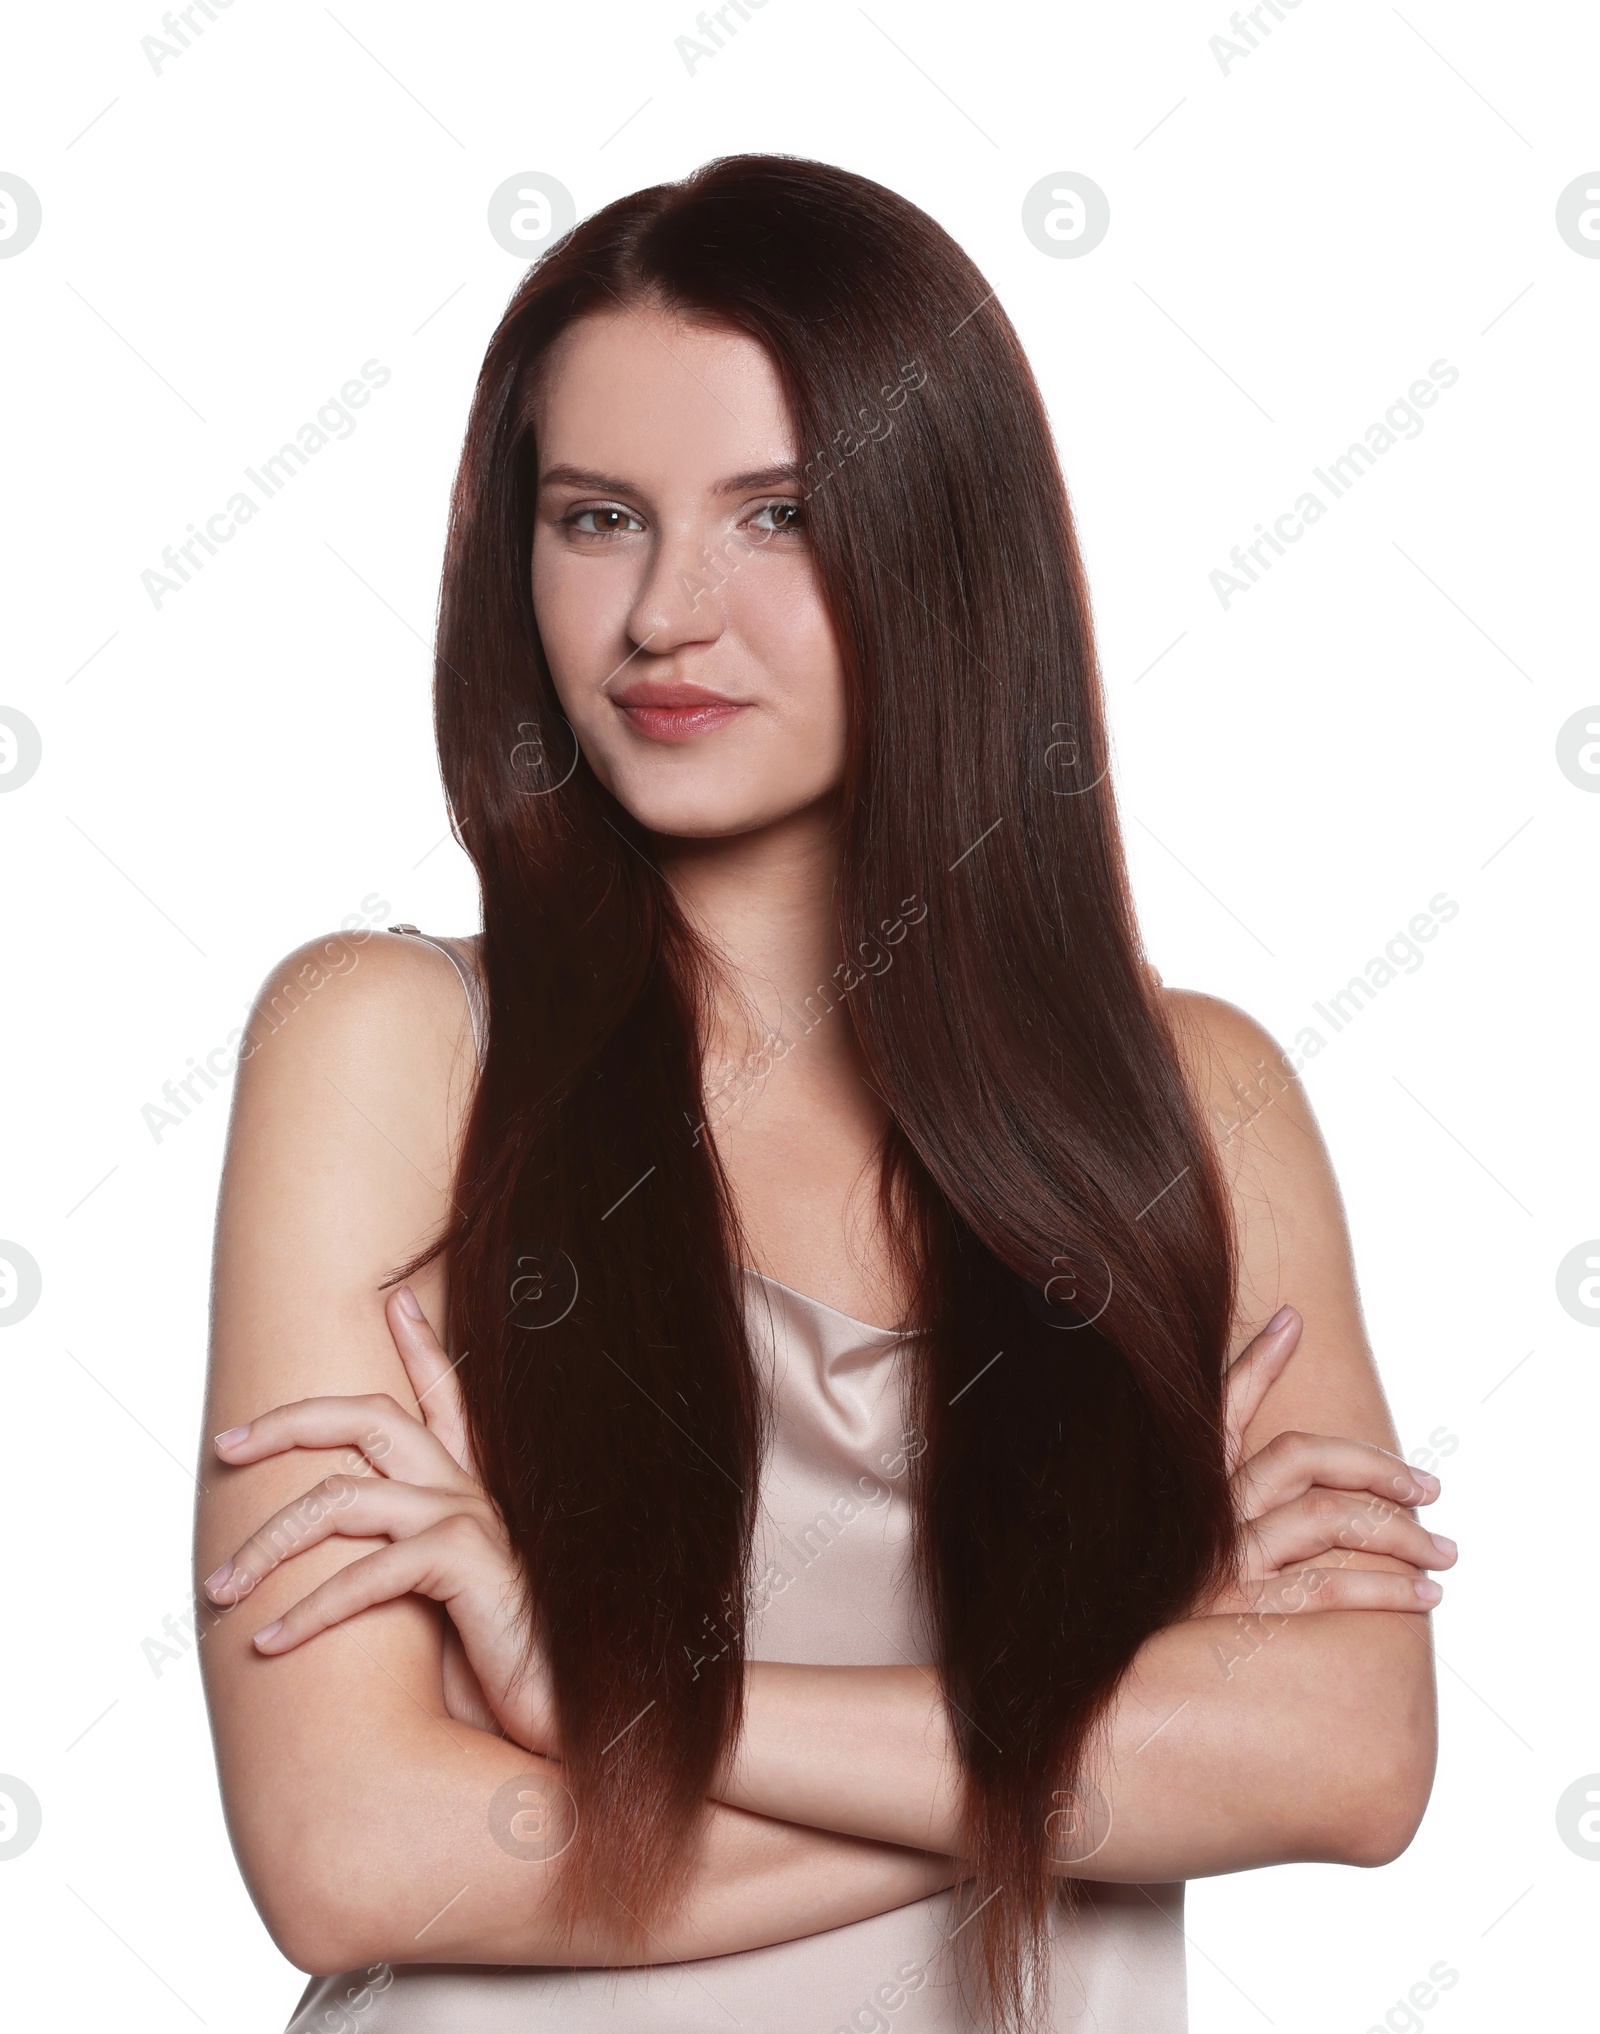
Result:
<point x="765" y="903"/>
<point x="796" y="1122"/>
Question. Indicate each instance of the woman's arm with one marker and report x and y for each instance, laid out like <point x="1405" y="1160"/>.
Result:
<point x="358" y="1807"/>
<point x="1236" y="1741"/>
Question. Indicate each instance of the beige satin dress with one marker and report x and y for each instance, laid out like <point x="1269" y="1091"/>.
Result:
<point x="831" y="1584"/>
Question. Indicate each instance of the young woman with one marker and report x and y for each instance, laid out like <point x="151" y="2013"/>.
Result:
<point x="831" y="1523"/>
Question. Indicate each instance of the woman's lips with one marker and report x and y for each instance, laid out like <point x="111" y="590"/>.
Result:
<point x="679" y="723"/>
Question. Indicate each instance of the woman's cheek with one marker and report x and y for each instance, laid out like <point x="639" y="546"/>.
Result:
<point x="582" y="614"/>
<point x="792" y="638"/>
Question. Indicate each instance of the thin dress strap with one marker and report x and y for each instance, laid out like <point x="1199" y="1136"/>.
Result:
<point x="458" y="953"/>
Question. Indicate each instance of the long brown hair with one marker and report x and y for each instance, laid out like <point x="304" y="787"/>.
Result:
<point x="1049" y="1184"/>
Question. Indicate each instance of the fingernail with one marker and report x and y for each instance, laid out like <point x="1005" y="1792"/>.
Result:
<point x="1280" y="1319"/>
<point x="1427" y="1591"/>
<point x="270" y="1631"/>
<point x="215" y="1581"/>
<point x="408" y="1303"/>
<point x="1428" y="1482"/>
<point x="1446" y="1547"/>
<point x="232" y="1437"/>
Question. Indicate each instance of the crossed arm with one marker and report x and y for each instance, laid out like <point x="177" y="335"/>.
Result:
<point x="357" y="1789"/>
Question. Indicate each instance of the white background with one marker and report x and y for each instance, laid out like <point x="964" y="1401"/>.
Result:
<point x="1292" y="243"/>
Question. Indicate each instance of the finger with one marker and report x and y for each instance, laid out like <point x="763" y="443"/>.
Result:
<point x="1324" y="1520"/>
<point x="432" y="1374"/>
<point x="427" y="1565"/>
<point x="1310" y="1590"/>
<point x="376" y="1425"/>
<point x="1250" y="1376"/>
<point x="357" y="1508"/>
<point x="464" y="1698"/>
<point x="1292" y="1463"/>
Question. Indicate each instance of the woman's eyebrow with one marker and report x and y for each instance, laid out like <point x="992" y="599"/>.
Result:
<point x="784" y="475"/>
<point x="584" y="476"/>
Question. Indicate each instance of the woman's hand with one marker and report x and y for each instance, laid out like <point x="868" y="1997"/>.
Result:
<point x="416" y="1486"/>
<point x="1307" y="1496"/>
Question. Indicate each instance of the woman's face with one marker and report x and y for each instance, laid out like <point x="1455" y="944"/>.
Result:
<point x="673" y="581"/>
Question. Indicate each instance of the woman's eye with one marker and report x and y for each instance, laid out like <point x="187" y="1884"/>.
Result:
<point x="786" y="516"/>
<point x="610" y="521"/>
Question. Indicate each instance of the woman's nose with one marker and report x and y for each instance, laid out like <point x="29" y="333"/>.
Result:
<point x="680" y="599"/>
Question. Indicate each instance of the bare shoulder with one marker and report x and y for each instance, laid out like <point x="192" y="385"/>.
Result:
<point x="1225" y="1050"/>
<point x="377" y="991"/>
<point x="1293" y="1234"/>
<point x="1251" y="1096"/>
<point x="354" y="1083"/>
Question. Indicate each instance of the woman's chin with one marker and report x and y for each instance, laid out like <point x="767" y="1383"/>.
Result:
<point x="708" y="811"/>
<point x="711" y="819"/>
